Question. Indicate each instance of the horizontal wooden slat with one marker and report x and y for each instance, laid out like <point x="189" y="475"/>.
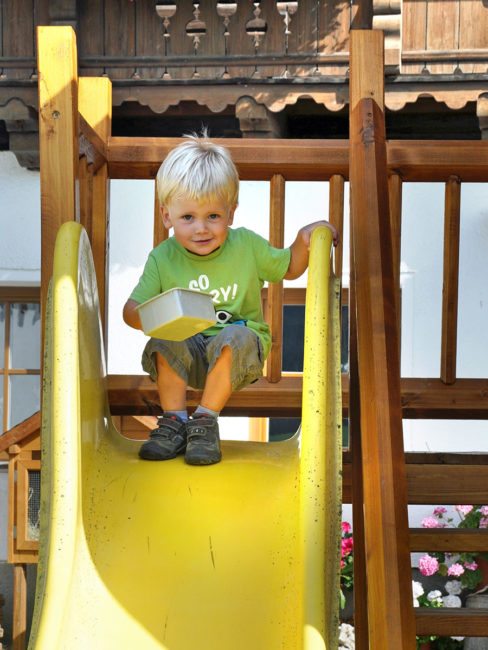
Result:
<point x="449" y="539"/>
<point x="431" y="398"/>
<point x="451" y="621"/>
<point x="421" y="398"/>
<point x="417" y="160"/>
<point x="459" y="484"/>
<point x="256" y="159"/>
<point x="446" y="479"/>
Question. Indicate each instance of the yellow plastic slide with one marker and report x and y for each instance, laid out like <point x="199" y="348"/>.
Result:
<point x="243" y="555"/>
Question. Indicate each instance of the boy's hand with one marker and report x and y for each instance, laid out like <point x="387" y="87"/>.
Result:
<point x="301" y="247"/>
<point x="306" y="232"/>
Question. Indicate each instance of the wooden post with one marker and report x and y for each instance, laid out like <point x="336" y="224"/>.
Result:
<point x="336" y="218"/>
<point x="360" y="573"/>
<point x="390" y="609"/>
<point x="395" y="196"/>
<point x="19" y="627"/>
<point x="452" y="225"/>
<point x="95" y="105"/>
<point x="275" y="289"/>
<point x="58" y="139"/>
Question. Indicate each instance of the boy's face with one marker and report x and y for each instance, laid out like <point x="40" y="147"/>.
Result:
<point x="199" y="227"/>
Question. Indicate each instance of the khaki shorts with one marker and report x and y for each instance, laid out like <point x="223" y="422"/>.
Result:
<point x="195" y="357"/>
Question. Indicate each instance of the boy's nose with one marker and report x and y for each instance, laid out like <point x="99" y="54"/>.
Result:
<point x="201" y="225"/>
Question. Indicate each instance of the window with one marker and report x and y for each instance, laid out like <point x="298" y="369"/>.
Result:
<point x="20" y="342"/>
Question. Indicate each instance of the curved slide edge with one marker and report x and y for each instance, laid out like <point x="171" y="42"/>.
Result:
<point x="243" y="554"/>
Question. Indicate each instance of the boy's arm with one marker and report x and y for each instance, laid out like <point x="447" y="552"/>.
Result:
<point x="131" y="315"/>
<point x="300" y="248"/>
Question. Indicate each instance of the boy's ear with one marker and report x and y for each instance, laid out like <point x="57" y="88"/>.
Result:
<point x="231" y="214"/>
<point x="164" y="212"/>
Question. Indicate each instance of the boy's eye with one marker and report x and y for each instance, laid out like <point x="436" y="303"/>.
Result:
<point x="213" y="216"/>
<point x="187" y="217"/>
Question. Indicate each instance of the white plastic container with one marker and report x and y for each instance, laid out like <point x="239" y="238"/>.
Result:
<point x="177" y="314"/>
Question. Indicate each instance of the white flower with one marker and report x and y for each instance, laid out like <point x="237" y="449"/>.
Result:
<point x="451" y="601"/>
<point x="346" y="637"/>
<point x="435" y="596"/>
<point x="458" y="638"/>
<point x="417" y="589"/>
<point x="453" y="587"/>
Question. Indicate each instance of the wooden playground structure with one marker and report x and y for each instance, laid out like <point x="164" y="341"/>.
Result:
<point x="79" y="156"/>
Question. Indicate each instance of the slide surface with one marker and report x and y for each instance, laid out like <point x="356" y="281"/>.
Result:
<point x="243" y="555"/>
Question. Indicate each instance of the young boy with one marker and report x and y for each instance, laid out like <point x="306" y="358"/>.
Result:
<point x="198" y="192"/>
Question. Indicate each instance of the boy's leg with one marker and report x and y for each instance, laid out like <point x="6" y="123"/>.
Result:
<point x="169" y="438"/>
<point x="171" y="387"/>
<point x="218" y="387"/>
<point x="203" y="446"/>
<point x="235" y="360"/>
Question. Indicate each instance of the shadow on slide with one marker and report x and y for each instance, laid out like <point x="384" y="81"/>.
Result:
<point x="243" y="555"/>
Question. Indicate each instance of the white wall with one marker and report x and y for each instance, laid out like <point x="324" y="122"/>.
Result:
<point x="20" y="223"/>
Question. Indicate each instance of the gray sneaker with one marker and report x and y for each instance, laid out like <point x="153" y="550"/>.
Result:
<point x="203" y="446"/>
<point x="166" y="441"/>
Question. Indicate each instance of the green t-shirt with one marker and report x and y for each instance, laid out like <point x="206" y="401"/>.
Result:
<point x="234" y="275"/>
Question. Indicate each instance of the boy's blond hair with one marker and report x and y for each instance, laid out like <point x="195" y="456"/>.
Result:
<point x="198" y="169"/>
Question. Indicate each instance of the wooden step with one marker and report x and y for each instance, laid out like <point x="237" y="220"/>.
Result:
<point x="454" y="621"/>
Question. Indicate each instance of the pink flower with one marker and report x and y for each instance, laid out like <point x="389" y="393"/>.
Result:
<point x="455" y="569"/>
<point x="484" y="511"/>
<point x="346" y="527"/>
<point x="471" y="566"/>
<point x="463" y="510"/>
<point x="428" y="565"/>
<point x="439" y="511"/>
<point x="430" y="522"/>
<point x="346" y="546"/>
<point x="484" y="522"/>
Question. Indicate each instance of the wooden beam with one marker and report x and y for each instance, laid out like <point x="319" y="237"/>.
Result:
<point x="95" y="105"/>
<point x="426" y="161"/>
<point x="438" y="480"/>
<point x="467" y="399"/>
<point x="461" y="484"/>
<point x="58" y="138"/>
<point x="137" y="394"/>
<point x="21" y="431"/>
<point x="395" y="201"/>
<point x="259" y="159"/>
<point x="451" y="621"/>
<point x="390" y="611"/>
<point x="19" y="627"/>
<point x="449" y="540"/>
<point x="275" y="289"/>
<point x="336" y="218"/>
<point x="91" y="146"/>
<point x="355" y="483"/>
<point x="256" y="159"/>
<point x="452" y="223"/>
<point x="431" y="398"/>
